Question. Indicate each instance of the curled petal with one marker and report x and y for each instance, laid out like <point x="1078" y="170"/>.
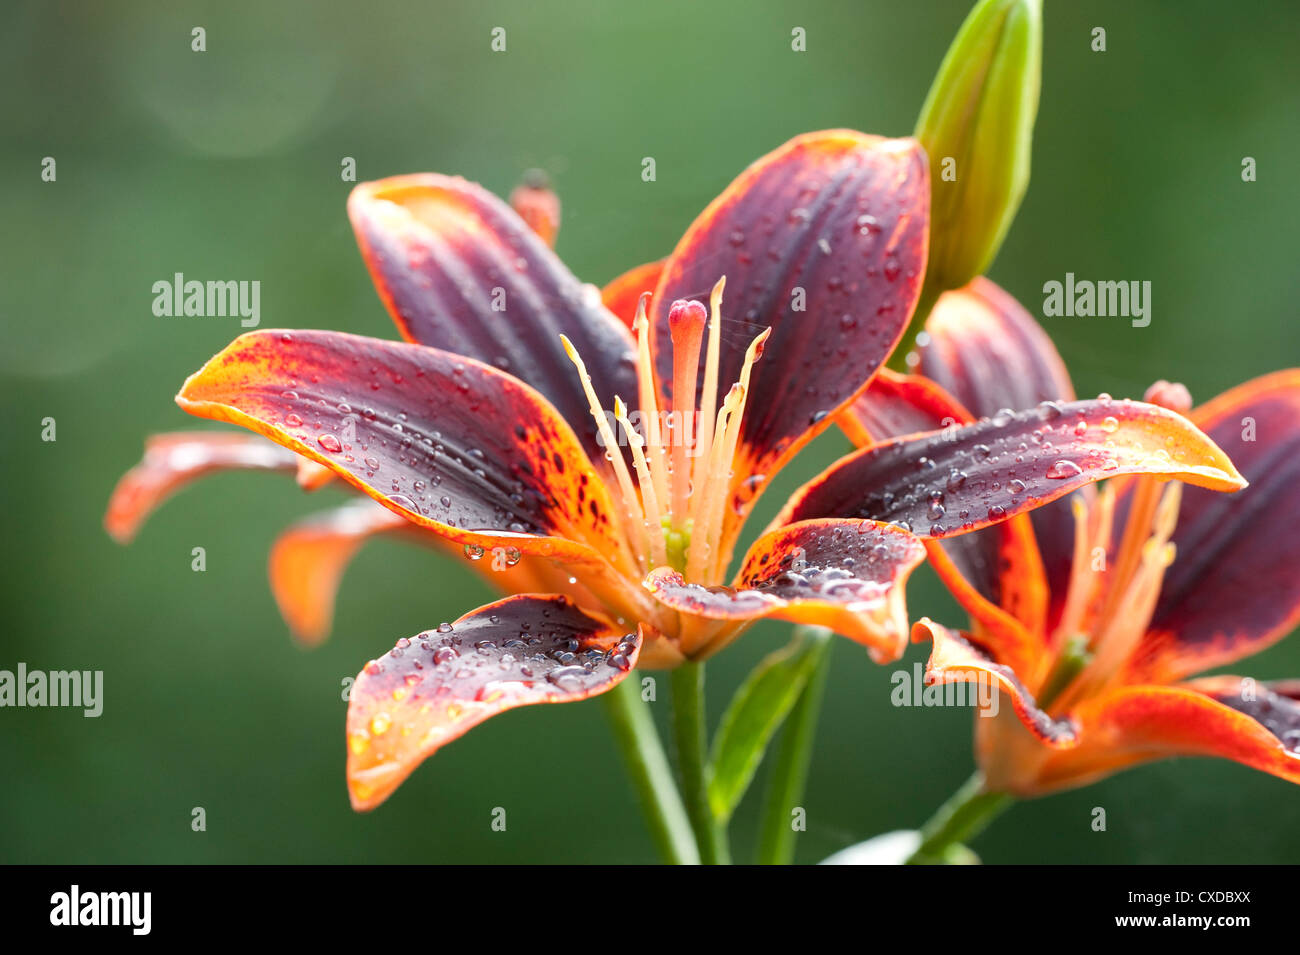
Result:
<point x="308" y="559"/>
<point x="432" y="688"/>
<point x="824" y="240"/>
<point x="961" y="479"/>
<point x="622" y="294"/>
<point x="447" y="442"/>
<point x="172" y="461"/>
<point x="954" y="658"/>
<point x="460" y="271"/>
<point x="1137" y="723"/>
<point x="849" y="576"/>
<point x="1234" y="587"/>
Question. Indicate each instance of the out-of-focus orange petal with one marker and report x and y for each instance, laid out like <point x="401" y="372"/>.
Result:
<point x="432" y="688"/>
<point x="849" y="576"/>
<point x="623" y="293"/>
<point x="308" y="559"/>
<point x="1138" y="723"/>
<point x="1234" y="587"/>
<point x="538" y="205"/>
<point x="460" y="271"/>
<point x="962" y="479"/>
<point x="823" y="240"/>
<point x="312" y="476"/>
<point x="451" y="444"/>
<point x="173" y="460"/>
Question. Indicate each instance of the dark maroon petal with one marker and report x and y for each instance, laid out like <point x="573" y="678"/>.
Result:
<point x="835" y="222"/>
<point x="987" y="351"/>
<point x="961" y="479"/>
<point x="1234" y="586"/>
<point x="460" y="271"/>
<point x="456" y="446"/>
<point x="432" y="688"/>
<point x="895" y="405"/>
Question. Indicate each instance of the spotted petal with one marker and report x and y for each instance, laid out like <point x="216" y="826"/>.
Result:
<point x="1234" y="587"/>
<point x="961" y="479"/>
<point x="431" y="689"/>
<point x="449" y="443"/>
<point x="849" y="576"/>
<point x="824" y="240"/>
<point x="172" y="461"/>
<point x="459" y="270"/>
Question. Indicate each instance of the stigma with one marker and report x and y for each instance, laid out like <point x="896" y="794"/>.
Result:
<point x="673" y="495"/>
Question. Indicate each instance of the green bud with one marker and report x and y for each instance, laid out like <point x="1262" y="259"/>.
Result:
<point x="976" y="126"/>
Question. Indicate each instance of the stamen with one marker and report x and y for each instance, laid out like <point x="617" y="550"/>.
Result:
<point x="709" y="399"/>
<point x="649" y="400"/>
<point x="686" y="325"/>
<point x="650" y="501"/>
<point x="723" y="475"/>
<point x="703" y="543"/>
<point x="630" y="502"/>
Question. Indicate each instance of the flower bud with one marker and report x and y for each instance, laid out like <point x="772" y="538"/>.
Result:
<point x="976" y="126"/>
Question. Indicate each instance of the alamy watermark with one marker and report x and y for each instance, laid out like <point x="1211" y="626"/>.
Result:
<point x="1088" y="299"/>
<point x="75" y="688"/>
<point x="979" y="689"/>
<point x="178" y="297"/>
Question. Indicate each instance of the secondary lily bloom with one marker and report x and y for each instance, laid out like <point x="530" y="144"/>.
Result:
<point x="1092" y="614"/>
<point x="615" y="459"/>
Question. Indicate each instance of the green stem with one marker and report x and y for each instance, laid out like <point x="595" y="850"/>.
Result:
<point x="790" y="770"/>
<point x="651" y="776"/>
<point x="962" y="817"/>
<point x="693" y="762"/>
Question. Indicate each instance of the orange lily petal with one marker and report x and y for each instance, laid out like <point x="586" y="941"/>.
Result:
<point x="849" y="576"/>
<point x="824" y="240"/>
<point x="1135" y="724"/>
<point x="171" y="461"/>
<point x="538" y="205"/>
<point x="961" y="479"/>
<point x="997" y="577"/>
<point x="623" y="293"/>
<point x="996" y="574"/>
<point x="431" y="689"/>
<point x="449" y="443"/>
<point x="1234" y="587"/>
<point x="460" y="271"/>
<point x="308" y="559"/>
<point x="987" y="351"/>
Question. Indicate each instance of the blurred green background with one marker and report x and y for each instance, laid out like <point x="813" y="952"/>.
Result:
<point x="225" y="164"/>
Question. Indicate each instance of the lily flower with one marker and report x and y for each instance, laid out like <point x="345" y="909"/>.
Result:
<point x="617" y="459"/>
<point x="1093" y="615"/>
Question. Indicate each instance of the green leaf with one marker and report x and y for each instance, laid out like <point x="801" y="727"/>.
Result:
<point x="756" y="712"/>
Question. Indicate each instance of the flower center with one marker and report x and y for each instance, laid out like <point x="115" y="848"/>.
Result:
<point x="682" y="457"/>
